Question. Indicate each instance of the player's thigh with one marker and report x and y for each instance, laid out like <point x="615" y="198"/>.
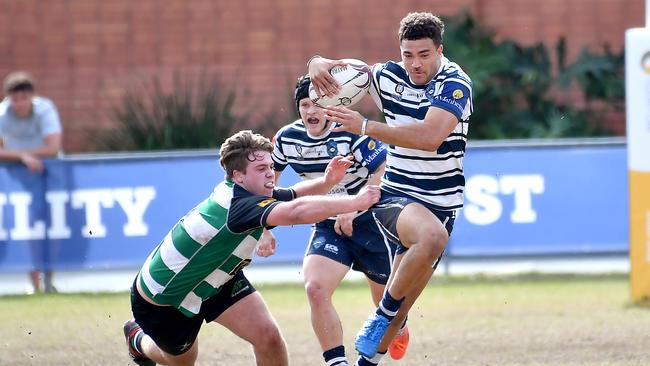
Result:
<point x="249" y="318"/>
<point x="323" y="273"/>
<point x="417" y="224"/>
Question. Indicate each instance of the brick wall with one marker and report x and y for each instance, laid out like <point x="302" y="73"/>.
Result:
<point x="85" y="54"/>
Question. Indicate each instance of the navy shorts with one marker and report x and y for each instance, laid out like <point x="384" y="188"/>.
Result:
<point x="175" y="332"/>
<point x="363" y="252"/>
<point x="381" y="219"/>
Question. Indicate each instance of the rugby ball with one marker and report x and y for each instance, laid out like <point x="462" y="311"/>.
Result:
<point x="354" y="78"/>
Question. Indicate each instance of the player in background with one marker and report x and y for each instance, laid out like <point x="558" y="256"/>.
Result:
<point x="427" y="101"/>
<point x="307" y="145"/>
<point x="195" y="273"/>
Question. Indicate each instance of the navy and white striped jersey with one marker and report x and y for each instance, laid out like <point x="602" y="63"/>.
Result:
<point x="433" y="178"/>
<point x="309" y="155"/>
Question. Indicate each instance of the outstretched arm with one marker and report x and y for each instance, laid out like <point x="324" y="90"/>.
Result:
<point x="310" y="209"/>
<point x="334" y="172"/>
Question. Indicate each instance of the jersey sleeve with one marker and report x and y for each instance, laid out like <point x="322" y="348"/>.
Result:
<point x="251" y="212"/>
<point x="371" y="153"/>
<point x="375" y="91"/>
<point x="279" y="160"/>
<point x="453" y="98"/>
<point x="284" y="194"/>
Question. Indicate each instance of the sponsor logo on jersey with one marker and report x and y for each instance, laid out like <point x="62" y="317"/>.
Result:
<point x="449" y="101"/>
<point x="457" y="94"/>
<point x="266" y="202"/>
<point x="372" y="145"/>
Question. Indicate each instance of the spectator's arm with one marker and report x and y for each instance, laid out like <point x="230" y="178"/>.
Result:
<point x="50" y="148"/>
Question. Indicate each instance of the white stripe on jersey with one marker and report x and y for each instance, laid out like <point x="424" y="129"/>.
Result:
<point x="217" y="278"/>
<point x="192" y="303"/>
<point x="197" y="228"/>
<point x="151" y="284"/>
<point x="172" y="258"/>
<point x="245" y="249"/>
<point x="222" y="195"/>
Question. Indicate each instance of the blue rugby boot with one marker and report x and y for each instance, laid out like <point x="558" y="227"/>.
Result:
<point x="370" y="335"/>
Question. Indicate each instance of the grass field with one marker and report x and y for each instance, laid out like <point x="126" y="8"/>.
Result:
<point x="525" y="320"/>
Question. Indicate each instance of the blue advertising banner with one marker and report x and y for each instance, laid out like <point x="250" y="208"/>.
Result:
<point x="543" y="200"/>
<point x="110" y="212"/>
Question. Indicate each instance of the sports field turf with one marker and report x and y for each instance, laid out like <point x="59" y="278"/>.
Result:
<point x="525" y="320"/>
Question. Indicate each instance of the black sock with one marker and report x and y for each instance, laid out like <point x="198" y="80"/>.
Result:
<point x="335" y="356"/>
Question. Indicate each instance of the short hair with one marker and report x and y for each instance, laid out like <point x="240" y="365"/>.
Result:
<point x="18" y="81"/>
<point x="302" y="90"/>
<point x="236" y="150"/>
<point x="416" y="26"/>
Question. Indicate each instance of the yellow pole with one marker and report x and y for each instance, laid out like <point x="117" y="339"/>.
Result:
<point x="637" y="92"/>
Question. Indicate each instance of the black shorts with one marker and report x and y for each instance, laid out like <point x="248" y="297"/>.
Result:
<point x="381" y="219"/>
<point x="175" y="332"/>
<point x="364" y="251"/>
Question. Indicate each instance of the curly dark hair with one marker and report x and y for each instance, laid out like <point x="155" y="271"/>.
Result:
<point x="416" y="26"/>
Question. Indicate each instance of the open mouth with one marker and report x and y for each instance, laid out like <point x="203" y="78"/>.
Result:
<point x="313" y="120"/>
<point x="269" y="185"/>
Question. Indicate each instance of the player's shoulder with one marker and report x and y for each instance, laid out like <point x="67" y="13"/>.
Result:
<point x="452" y="70"/>
<point x="395" y="69"/>
<point x="223" y="194"/>
<point x="295" y="129"/>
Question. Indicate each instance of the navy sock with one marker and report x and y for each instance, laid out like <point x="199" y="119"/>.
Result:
<point x="335" y="356"/>
<point x="389" y="306"/>
<point x="363" y="361"/>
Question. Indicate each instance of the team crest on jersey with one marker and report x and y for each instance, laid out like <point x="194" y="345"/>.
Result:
<point x="372" y="145"/>
<point x="332" y="148"/>
<point x="457" y="94"/>
<point x="299" y="152"/>
<point x="399" y="89"/>
<point x="266" y="202"/>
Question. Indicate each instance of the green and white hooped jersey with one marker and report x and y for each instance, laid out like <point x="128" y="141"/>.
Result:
<point x="207" y="247"/>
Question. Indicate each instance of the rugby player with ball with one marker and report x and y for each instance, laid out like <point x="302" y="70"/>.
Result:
<point x="426" y="100"/>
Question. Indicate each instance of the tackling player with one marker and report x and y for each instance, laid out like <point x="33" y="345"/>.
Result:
<point x="195" y="273"/>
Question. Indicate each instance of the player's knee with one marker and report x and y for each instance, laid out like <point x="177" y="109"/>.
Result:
<point x="269" y="339"/>
<point x="434" y="243"/>
<point x="317" y="293"/>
